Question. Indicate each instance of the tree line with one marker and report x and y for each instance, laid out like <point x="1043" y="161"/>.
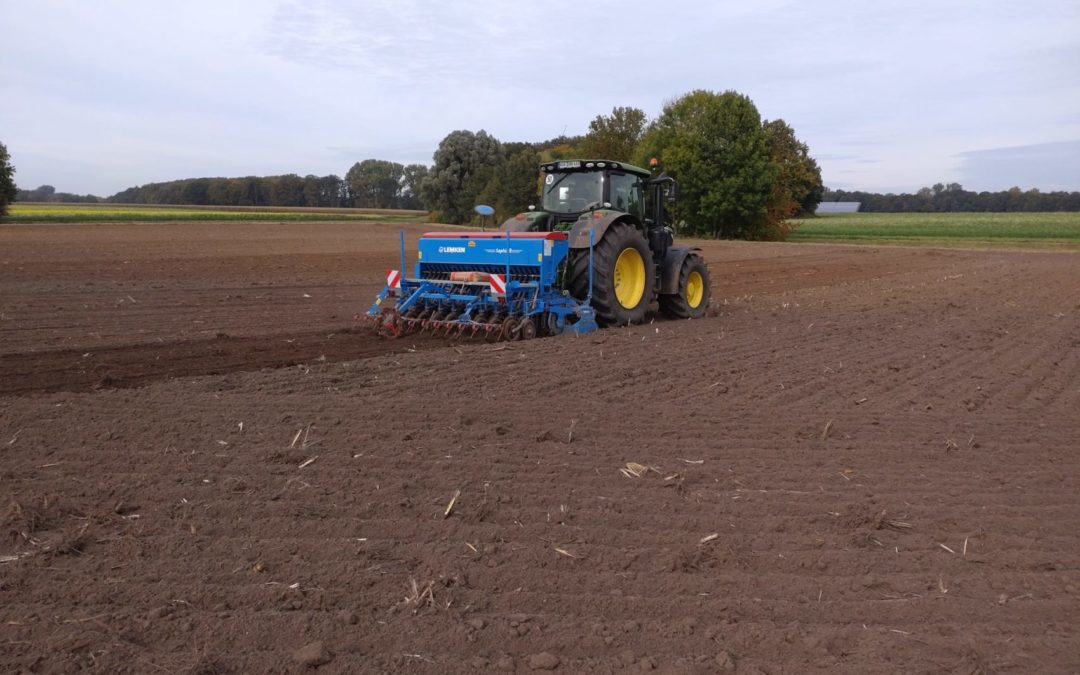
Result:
<point x="372" y="183"/>
<point x="942" y="198"/>
<point x="47" y="193"/>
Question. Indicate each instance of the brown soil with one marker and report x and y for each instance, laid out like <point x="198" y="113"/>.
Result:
<point x="864" y="461"/>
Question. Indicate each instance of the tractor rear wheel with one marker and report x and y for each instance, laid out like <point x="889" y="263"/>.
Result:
<point x="624" y="276"/>
<point x="693" y="297"/>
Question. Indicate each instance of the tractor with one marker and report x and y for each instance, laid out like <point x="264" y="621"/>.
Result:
<point x="621" y="207"/>
<point x="596" y="252"/>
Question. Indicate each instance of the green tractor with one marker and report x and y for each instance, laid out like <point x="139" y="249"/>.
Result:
<point x="634" y="261"/>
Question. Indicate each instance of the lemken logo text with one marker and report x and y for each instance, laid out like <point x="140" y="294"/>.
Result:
<point x="451" y="249"/>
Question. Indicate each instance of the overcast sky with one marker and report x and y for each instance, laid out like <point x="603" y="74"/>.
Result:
<point x="890" y="96"/>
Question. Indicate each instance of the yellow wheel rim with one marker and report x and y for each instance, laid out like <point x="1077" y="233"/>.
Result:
<point x="629" y="278"/>
<point x="695" y="289"/>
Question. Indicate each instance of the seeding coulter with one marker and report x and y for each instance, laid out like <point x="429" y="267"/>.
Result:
<point x="496" y="285"/>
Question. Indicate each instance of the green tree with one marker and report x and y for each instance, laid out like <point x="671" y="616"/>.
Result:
<point x="412" y="178"/>
<point x="798" y="188"/>
<point x="196" y="191"/>
<point x="715" y="146"/>
<point x="514" y="185"/>
<point x="331" y="191"/>
<point x="375" y="183"/>
<point x="7" y="181"/>
<point x="560" y="147"/>
<point x="464" y="165"/>
<point x="287" y="190"/>
<point x="615" y="136"/>
<point x="311" y="195"/>
<point x="42" y="193"/>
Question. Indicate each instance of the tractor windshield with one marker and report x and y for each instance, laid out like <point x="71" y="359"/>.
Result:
<point x="573" y="192"/>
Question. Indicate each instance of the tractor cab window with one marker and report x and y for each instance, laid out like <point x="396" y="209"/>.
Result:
<point x="573" y="192"/>
<point x="626" y="194"/>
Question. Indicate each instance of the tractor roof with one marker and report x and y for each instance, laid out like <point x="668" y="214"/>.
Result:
<point x="590" y="164"/>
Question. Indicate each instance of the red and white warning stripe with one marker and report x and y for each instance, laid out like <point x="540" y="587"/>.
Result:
<point x="498" y="284"/>
<point x="393" y="280"/>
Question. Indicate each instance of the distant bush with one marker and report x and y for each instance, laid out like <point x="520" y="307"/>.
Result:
<point x="8" y="191"/>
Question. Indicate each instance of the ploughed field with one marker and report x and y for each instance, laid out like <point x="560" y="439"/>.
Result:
<point x="864" y="460"/>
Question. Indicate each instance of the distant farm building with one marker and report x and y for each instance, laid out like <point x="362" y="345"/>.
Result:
<point x="838" y="207"/>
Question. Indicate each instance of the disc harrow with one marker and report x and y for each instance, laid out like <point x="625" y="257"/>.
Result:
<point x="391" y="324"/>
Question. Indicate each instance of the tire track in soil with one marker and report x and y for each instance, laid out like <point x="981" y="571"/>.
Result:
<point x="136" y="365"/>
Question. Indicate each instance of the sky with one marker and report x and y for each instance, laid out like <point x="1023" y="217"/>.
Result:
<point x="890" y="96"/>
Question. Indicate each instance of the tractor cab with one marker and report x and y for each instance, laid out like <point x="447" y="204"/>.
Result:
<point x="570" y="188"/>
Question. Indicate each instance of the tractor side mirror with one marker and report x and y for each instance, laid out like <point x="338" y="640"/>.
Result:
<point x="671" y="194"/>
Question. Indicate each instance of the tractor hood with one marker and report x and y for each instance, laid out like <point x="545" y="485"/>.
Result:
<point x="526" y="221"/>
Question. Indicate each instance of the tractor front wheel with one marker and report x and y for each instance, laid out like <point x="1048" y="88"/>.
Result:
<point x="693" y="297"/>
<point x="624" y="275"/>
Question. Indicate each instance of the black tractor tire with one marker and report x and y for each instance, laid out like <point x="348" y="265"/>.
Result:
<point x="609" y="310"/>
<point x="681" y="305"/>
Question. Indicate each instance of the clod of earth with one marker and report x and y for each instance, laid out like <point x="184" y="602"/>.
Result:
<point x="313" y="655"/>
<point x="544" y="661"/>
